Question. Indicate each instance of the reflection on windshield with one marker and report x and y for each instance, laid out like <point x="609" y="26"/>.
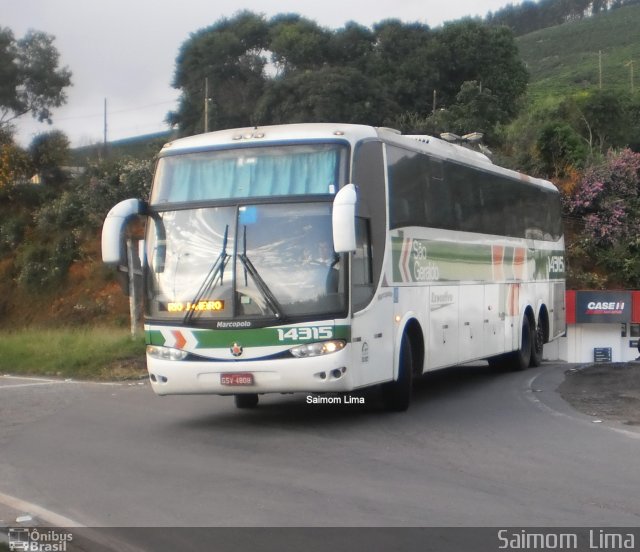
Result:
<point x="213" y="278"/>
<point x="249" y="268"/>
<point x="196" y="276"/>
<point x="283" y="264"/>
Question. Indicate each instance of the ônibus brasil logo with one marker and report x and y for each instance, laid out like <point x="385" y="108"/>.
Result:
<point x="39" y="540"/>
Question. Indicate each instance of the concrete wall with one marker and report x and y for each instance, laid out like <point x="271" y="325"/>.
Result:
<point x="582" y="339"/>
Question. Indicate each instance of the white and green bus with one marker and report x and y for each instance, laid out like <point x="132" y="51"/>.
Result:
<point x="328" y="258"/>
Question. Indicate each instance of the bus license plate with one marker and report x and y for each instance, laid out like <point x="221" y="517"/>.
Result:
<point x="236" y="379"/>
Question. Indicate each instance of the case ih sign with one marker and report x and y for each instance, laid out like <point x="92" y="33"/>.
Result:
<point x="603" y="307"/>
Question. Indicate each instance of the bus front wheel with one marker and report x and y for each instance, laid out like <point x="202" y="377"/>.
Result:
<point x="397" y="394"/>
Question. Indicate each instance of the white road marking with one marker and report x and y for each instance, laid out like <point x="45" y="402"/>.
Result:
<point x="15" y="385"/>
<point x="40" y="382"/>
<point x="38" y="511"/>
<point x="29" y="378"/>
<point x="32" y="382"/>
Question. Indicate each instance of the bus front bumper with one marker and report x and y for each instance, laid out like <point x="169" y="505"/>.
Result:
<point x="322" y="374"/>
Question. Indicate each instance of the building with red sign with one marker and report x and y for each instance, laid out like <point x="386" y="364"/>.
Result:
<point x="602" y="326"/>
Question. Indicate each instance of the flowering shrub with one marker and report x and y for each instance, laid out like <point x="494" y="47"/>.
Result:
<point x="608" y="199"/>
<point x="607" y="203"/>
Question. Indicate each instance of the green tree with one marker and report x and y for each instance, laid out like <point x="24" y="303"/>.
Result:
<point x="352" y="46"/>
<point x="230" y="56"/>
<point x="15" y="164"/>
<point x="340" y="94"/>
<point x="476" y="109"/>
<point x="603" y="120"/>
<point x="405" y="64"/>
<point x="297" y="43"/>
<point x="560" y="148"/>
<point x="472" y="51"/>
<point x="373" y="76"/>
<point x="548" y="139"/>
<point x="633" y="118"/>
<point x="50" y="152"/>
<point x="31" y="80"/>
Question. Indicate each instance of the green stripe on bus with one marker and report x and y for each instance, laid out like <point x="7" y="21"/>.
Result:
<point x="259" y="337"/>
<point x="422" y="260"/>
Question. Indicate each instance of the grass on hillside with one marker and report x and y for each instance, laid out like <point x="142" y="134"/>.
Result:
<point x="85" y="354"/>
<point x="564" y="59"/>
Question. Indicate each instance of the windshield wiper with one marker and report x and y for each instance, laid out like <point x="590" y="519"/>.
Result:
<point x="213" y="278"/>
<point x="270" y="298"/>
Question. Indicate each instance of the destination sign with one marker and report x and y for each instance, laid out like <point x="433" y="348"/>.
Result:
<point x="200" y="306"/>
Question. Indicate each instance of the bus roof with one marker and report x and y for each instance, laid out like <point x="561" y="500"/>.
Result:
<point x="348" y="132"/>
<point x="276" y="133"/>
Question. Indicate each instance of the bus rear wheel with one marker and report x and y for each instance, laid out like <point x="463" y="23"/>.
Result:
<point x="521" y="359"/>
<point x="537" y="345"/>
<point x="397" y="394"/>
<point x="246" y="401"/>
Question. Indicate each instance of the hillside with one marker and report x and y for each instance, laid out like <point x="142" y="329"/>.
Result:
<point x="138" y="147"/>
<point x="565" y="59"/>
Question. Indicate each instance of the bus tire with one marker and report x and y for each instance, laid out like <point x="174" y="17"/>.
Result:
<point x="397" y="394"/>
<point x="246" y="401"/>
<point x="521" y="359"/>
<point x="537" y="345"/>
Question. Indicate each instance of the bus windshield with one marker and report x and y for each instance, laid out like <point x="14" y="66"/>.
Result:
<point x="300" y="169"/>
<point x="267" y="262"/>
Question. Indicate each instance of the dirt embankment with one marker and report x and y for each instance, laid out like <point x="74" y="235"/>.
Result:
<point x="608" y="391"/>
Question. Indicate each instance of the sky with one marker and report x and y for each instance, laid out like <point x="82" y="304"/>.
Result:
<point x="124" y="51"/>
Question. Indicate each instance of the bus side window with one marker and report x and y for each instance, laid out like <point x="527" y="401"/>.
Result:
<point x="406" y="204"/>
<point x="361" y="268"/>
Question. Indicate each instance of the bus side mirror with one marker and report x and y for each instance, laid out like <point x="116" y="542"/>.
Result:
<point x="114" y="252"/>
<point x="344" y="219"/>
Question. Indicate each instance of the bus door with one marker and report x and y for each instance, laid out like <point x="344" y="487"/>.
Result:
<point x="372" y="340"/>
<point x="372" y="324"/>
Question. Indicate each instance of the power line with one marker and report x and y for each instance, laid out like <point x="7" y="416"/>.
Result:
<point x="113" y="112"/>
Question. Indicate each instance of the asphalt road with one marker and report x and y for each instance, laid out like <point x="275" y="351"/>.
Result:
<point x="477" y="448"/>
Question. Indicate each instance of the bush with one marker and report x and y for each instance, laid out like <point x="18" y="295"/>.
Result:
<point x="11" y="234"/>
<point x="607" y="200"/>
<point x="42" y="266"/>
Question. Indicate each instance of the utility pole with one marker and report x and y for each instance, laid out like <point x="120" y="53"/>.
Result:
<point x="206" y="104"/>
<point x="104" y="131"/>
<point x="629" y="64"/>
<point x="600" y="69"/>
<point x="104" y="141"/>
<point x="134" y="313"/>
<point x="434" y="102"/>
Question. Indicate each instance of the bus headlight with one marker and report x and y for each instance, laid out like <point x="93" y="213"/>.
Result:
<point x="166" y="353"/>
<point x="317" y="349"/>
